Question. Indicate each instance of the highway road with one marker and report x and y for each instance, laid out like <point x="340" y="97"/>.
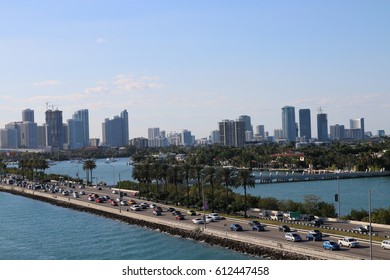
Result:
<point x="271" y="232"/>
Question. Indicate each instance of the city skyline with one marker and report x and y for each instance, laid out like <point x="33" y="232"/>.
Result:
<point x="188" y="65"/>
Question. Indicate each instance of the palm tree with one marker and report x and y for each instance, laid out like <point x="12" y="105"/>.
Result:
<point x="186" y="176"/>
<point x="209" y="176"/>
<point x="173" y="175"/>
<point x="245" y="179"/>
<point x="88" y="166"/>
<point x="198" y="174"/>
<point x="227" y="176"/>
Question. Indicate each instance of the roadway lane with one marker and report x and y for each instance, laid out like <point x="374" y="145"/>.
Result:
<point x="271" y="232"/>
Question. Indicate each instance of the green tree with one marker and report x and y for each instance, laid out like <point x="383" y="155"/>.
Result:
<point x="246" y="180"/>
<point x="88" y="166"/>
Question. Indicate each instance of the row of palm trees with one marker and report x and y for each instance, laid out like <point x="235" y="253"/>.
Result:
<point x="185" y="177"/>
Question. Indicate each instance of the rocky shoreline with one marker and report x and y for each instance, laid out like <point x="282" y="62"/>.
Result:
<point x="197" y="235"/>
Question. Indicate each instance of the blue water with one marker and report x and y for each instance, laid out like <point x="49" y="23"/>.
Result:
<point x="353" y="193"/>
<point x="34" y="230"/>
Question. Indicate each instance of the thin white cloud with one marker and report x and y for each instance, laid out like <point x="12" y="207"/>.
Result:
<point x="130" y="83"/>
<point x="100" y="41"/>
<point x="97" y="90"/>
<point x="46" y="83"/>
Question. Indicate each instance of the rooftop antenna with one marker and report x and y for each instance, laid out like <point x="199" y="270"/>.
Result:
<point x="319" y="110"/>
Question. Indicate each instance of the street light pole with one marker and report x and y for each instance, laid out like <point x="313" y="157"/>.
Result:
<point x="369" y="215"/>
<point x="369" y="218"/>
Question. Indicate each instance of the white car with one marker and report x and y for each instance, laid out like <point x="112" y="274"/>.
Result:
<point x="215" y="216"/>
<point x="294" y="237"/>
<point x="144" y="205"/>
<point x="348" y="242"/>
<point x="123" y="202"/>
<point x="385" y="244"/>
<point x="198" y="221"/>
<point x="152" y="205"/>
<point x="135" y="207"/>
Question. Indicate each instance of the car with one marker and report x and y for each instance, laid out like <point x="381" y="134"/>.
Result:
<point x="135" y="207"/>
<point x="235" y="227"/>
<point x="198" y="221"/>
<point x="315" y="231"/>
<point x="152" y="205"/>
<point x="99" y="200"/>
<point x="313" y="237"/>
<point x="123" y="202"/>
<point x="91" y="198"/>
<point x="179" y="217"/>
<point x="156" y="212"/>
<point x="284" y="228"/>
<point x="144" y="205"/>
<point x="254" y="223"/>
<point x="294" y="237"/>
<point x="385" y="244"/>
<point x="113" y="203"/>
<point x="215" y="216"/>
<point x="82" y="192"/>
<point x="330" y="245"/>
<point x="191" y="212"/>
<point x="208" y="219"/>
<point x="131" y="202"/>
<point x="348" y="242"/>
<point x="315" y="223"/>
<point x="170" y="209"/>
<point x="360" y="229"/>
<point x="76" y="195"/>
<point x="158" y="208"/>
<point x="258" y="228"/>
<point x="174" y="213"/>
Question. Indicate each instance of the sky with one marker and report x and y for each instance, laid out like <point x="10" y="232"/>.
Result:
<point x="190" y="64"/>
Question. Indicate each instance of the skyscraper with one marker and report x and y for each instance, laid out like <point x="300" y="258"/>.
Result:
<point x="28" y="115"/>
<point x="125" y="127"/>
<point x="305" y="124"/>
<point x="115" y="131"/>
<point x="83" y="116"/>
<point x="232" y="133"/>
<point x="247" y="122"/>
<point x="322" y="127"/>
<point x="337" y="132"/>
<point x="357" y="128"/>
<point x="289" y="125"/>
<point x="55" y="130"/>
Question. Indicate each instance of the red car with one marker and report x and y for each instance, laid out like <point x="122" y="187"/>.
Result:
<point x="179" y="217"/>
<point x="99" y="200"/>
<point x="113" y="203"/>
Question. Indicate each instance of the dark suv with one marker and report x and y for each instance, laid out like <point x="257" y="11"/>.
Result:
<point x="284" y="228"/>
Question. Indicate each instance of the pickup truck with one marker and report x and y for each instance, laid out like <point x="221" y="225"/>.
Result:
<point x="348" y="242"/>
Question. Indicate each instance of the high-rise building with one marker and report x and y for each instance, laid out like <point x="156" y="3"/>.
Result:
<point x="28" y="115"/>
<point x="322" y="127"/>
<point x="153" y="132"/>
<point x="214" y="137"/>
<point x="55" y="130"/>
<point x="115" y="131"/>
<point x="186" y="138"/>
<point x="28" y="135"/>
<point x="75" y="134"/>
<point x="83" y="116"/>
<point x="305" y="124"/>
<point x="337" y="132"/>
<point x="125" y="127"/>
<point x="247" y="122"/>
<point x="260" y="131"/>
<point x="357" y="128"/>
<point x="289" y="125"/>
<point x="232" y="133"/>
<point x="8" y="138"/>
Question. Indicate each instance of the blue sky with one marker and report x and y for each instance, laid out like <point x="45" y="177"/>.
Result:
<point x="189" y="64"/>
